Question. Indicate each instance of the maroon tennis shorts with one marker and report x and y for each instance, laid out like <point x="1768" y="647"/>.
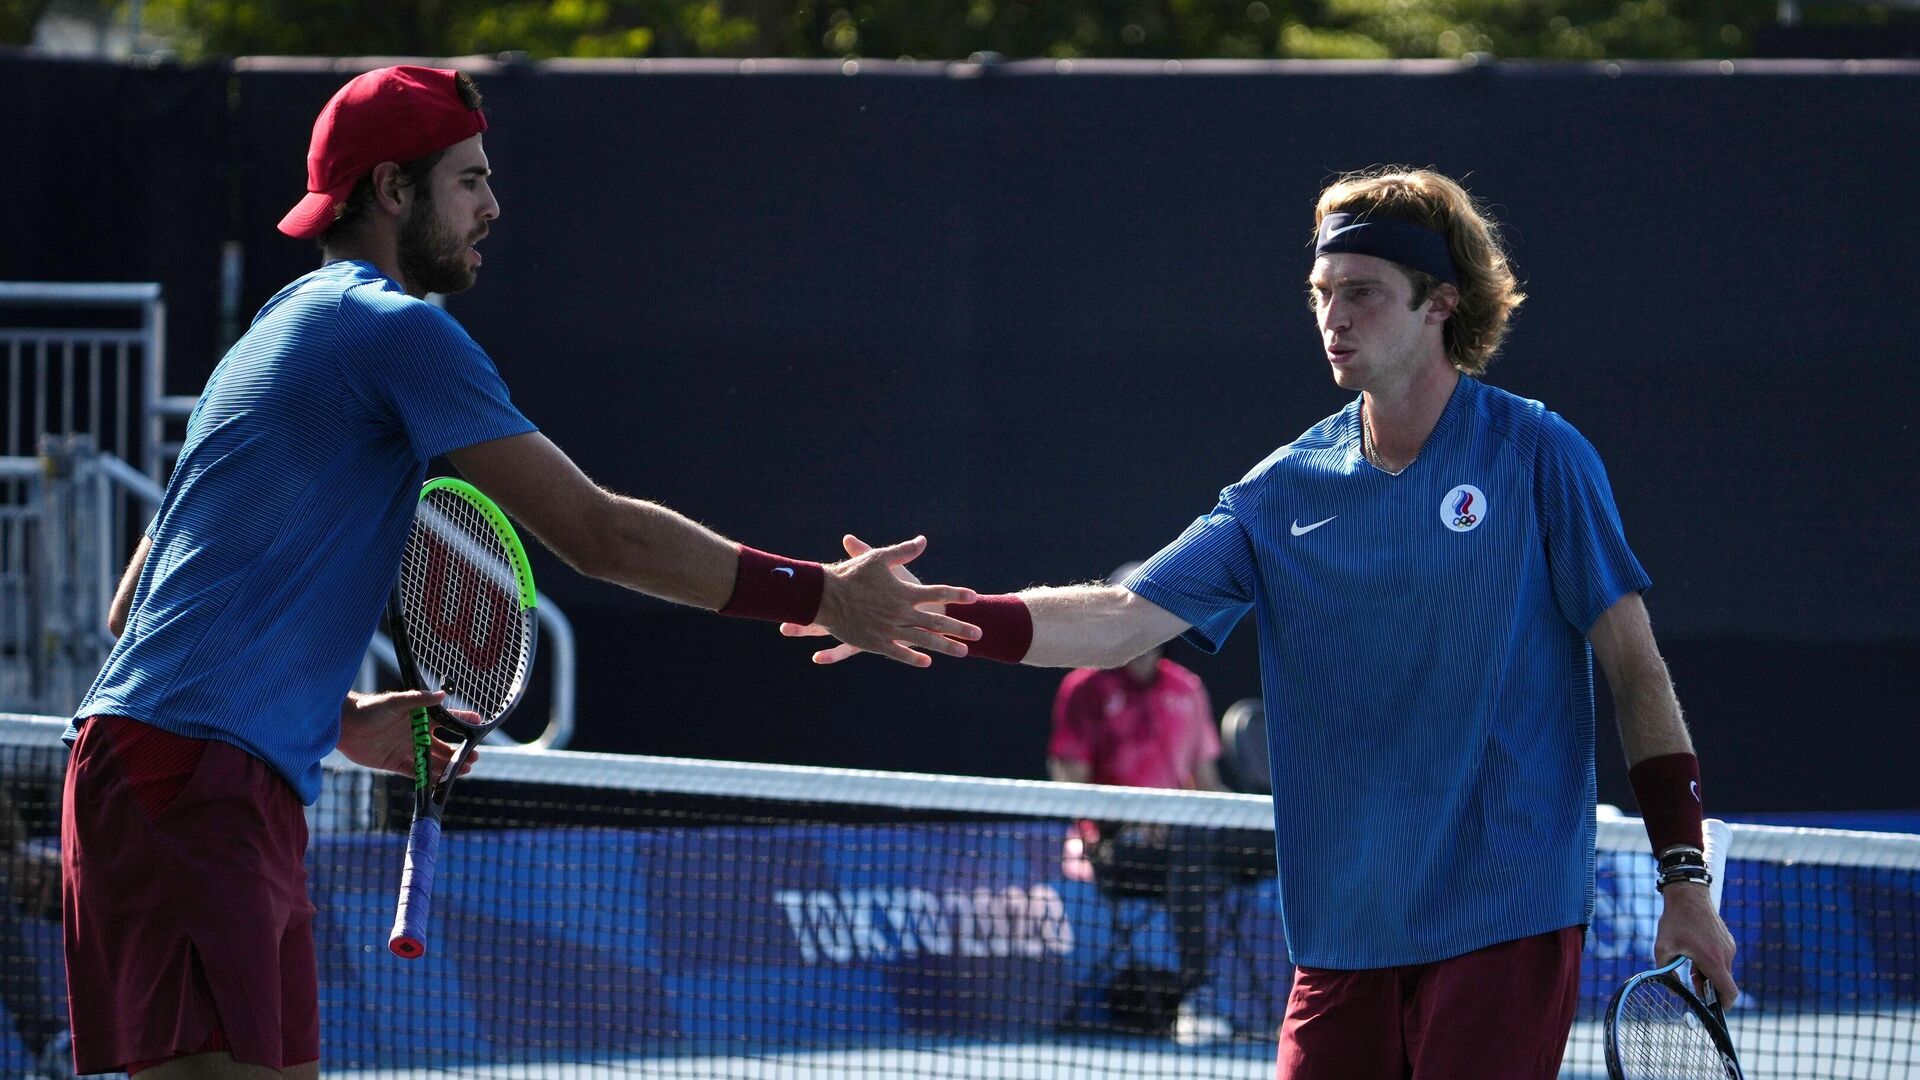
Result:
<point x="187" y="920"/>
<point x="1502" y="1011"/>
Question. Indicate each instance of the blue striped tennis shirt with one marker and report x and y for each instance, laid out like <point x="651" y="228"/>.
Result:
<point x="1426" y="672"/>
<point x="280" y="533"/>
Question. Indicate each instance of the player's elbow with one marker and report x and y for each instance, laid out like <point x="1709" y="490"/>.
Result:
<point x="1134" y="627"/>
<point x="1117" y="656"/>
<point x="1121" y="651"/>
<point x="584" y="559"/>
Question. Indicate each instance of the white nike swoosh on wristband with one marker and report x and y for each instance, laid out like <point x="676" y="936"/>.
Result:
<point x="787" y="570"/>
<point x="1302" y="530"/>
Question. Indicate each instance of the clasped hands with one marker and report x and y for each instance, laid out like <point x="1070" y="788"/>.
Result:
<point x="873" y="603"/>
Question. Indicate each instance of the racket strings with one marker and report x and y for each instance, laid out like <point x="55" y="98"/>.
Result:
<point x="1658" y="1037"/>
<point x="469" y="634"/>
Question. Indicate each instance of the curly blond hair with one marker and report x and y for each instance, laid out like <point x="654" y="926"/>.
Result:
<point x="1488" y="289"/>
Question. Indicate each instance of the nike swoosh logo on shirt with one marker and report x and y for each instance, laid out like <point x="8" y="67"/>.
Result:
<point x="1302" y="530"/>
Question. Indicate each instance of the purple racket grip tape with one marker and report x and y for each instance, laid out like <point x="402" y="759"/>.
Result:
<point x="409" y="940"/>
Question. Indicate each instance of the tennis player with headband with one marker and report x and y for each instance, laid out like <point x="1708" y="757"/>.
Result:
<point x="1433" y="569"/>
<point x="245" y="612"/>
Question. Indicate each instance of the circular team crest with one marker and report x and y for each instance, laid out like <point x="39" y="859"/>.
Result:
<point x="1464" y="508"/>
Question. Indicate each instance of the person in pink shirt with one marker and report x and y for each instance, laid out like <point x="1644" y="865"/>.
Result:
<point x="1147" y="724"/>
<point x="1150" y="724"/>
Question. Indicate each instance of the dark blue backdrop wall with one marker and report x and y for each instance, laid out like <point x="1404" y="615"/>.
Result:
<point x="1044" y="316"/>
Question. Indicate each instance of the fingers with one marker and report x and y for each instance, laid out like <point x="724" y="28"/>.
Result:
<point x="937" y="633"/>
<point x="1718" y="967"/>
<point x="903" y="649"/>
<point x="943" y="594"/>
<point x="413" y="699"/>
<point x="1704" y="972"/>
<point x="889" y="557"/>
<point x="380" y="707"/>
<point x="941" y="624"/>
<point x="835" y="654"/>
<point x="869" y="620"/>
<point x="1690" y="927"/>
<point x="901" y="553"/>
<point x="443" y="753"/>
<point x="893" y="650"/>
<point x="927" y="639"/>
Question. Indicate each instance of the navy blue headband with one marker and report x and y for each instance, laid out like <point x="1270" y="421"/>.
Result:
<point x="1413" y="246"/>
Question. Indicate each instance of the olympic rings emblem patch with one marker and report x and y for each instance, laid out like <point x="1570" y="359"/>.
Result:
<point x="1464" y="508"/>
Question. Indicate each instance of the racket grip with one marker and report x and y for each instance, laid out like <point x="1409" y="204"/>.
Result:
<point x="409" y="940"/>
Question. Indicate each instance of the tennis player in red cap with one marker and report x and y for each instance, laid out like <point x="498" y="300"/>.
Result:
<point x="245" y="612"/>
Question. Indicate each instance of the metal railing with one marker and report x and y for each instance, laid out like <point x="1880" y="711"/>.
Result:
<point x="21" y="643"/>
<point x="58" y="567"/>
<point x="84" y="452"/>
<point x="108" y="381"/>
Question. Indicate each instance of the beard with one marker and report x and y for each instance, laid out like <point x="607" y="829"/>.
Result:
<point x="432" y="257"/>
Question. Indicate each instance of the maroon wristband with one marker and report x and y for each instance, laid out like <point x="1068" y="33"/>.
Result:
<point x="776" y="589"/>
<point x="1668" y="790"/>
<point x="1006" y="627"/>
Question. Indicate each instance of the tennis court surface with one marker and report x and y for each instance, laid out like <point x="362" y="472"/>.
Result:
<point x="602" y="917"/>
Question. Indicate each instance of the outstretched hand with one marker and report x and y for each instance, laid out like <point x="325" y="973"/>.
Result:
<point x="873" y="603"/>
<point x="376" y="730"/>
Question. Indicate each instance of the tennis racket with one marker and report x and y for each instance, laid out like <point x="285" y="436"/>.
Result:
<point x="462" y="616"/>
<point x="1657" y="1028"/>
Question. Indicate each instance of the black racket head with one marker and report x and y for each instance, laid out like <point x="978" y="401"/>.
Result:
<point x="1658" y="1029"/>
<point x="462" y="611"/>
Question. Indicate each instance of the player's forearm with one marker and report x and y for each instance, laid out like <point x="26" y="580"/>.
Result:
<point x="661" y="552"/>
<point x="1645" y="706"/>
<point x="1648" y="711"/>
<point x="1100" y="626"/>
<point x="1661" y="764"/>
<point x="631" y="542"/>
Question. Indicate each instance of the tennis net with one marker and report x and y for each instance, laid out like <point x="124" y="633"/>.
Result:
<point x="605" y="916"/>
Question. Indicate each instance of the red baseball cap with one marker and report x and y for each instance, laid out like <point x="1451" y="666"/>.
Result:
<point x="396" y="114"/>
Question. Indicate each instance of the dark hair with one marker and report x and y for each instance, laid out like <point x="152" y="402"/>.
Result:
<point x="347" y="217"/>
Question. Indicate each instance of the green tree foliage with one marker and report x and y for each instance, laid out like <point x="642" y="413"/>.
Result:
<point x="954" y="29"/>
<point x="539" y="28"/>
<point x="1543" y="29"/>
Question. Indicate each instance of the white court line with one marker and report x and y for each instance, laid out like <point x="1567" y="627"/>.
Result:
<point x="1772" y="1047"/>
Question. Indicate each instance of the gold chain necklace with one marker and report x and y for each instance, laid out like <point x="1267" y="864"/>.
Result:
<point x="1367" y="447"/>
